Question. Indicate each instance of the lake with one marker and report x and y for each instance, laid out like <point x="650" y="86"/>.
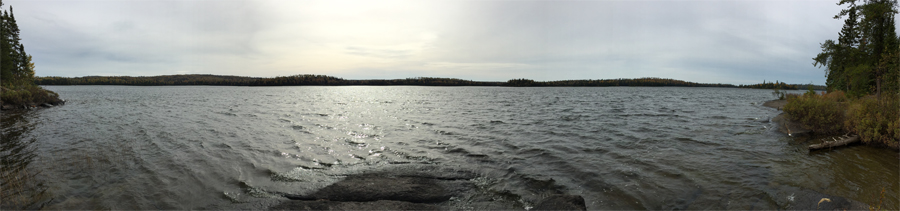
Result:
<point x="211" y="147"/>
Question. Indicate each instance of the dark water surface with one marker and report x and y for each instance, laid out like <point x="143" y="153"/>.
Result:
<point x="205" y="147"/>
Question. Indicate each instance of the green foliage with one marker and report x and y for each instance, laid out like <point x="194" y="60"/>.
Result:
<point x="891" y="66"/>
<point x="859" y="80"/>
<point x="864" y="59"/>
<point x="821" y="114"/>
<point x="28" y="95"/>
<point x="877" y="121"/>
<point x="16" y="68"/>
<point x="18" y="97"/>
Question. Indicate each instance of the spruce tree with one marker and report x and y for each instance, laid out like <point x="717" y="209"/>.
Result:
<point x="867" y="48"/>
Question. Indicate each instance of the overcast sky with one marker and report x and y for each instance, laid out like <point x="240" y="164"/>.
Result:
<point x="738" y="42"/>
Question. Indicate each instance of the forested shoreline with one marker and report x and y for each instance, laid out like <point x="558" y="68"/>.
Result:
<point x="17" y="88"/>
<point x="862" y="72"/>
<point x="324" y="80"/>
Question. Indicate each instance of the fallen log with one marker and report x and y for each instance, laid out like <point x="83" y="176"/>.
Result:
<point x="844" y="140"/>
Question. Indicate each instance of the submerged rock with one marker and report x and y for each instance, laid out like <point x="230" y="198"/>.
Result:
<point x="561" y="202"/>
<point x="806" y="199"/>
<point x="785" y="125"/>
<point x="361" y="188"/>
<point x="339" y="205"/>
<point x="422" y="187"/>
<point x="791" y="128"/>
<point x="777" y="104"/>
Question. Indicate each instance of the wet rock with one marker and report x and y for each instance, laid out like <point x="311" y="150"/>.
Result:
<point x="440" y="173"/>
<point x="561" y="202"/>
<point x="371" y="205"/>
<point x="422" y="187"/>
<point x="806" y="199"/>
<point x="777" y="104"/>
<point x="360" y="188"/>
<point x="785" y="125"/>
<point x="46" y="105"/>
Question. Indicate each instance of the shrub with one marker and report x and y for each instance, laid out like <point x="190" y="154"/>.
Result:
<point x="40" y="95"/>
<point x="877" y="121"/>
<point x="816" y="112"/>
<point x="28" y="95"/>
<point x="836" y="96"/>
<point x="17" y="97"/>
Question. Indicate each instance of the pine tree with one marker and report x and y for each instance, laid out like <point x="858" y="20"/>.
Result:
<point x="15" y="68"/>
<point x="864" y="55"/>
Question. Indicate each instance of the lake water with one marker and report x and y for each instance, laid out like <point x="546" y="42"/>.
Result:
<point x="209" y="147"/>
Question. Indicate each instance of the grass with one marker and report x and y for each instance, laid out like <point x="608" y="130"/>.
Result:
<point x="876" y="119"/>
<point x="880" y="204"/>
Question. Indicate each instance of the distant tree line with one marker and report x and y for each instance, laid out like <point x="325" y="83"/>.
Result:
<point x="770" y="85"/>
<point x="614" y="82"/>
<point x="324" y="80"/>
<point x="219" y="80"/>
<point x="810" y="86"/>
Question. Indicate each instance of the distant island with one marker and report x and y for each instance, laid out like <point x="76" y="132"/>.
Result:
<point x="324" y="80"/>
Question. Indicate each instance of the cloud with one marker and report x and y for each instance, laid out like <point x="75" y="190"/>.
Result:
<point x="705" y="41"/>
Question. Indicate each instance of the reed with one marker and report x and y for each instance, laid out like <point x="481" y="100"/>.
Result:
<point x="19" y="184"/>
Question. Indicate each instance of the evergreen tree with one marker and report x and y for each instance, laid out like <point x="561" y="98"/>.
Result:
<point x="16" y="68"/>
<point x="867" y="48"/>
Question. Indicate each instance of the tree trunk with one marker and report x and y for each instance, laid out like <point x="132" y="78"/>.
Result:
<point x="878" y="84"/>
<point x="844" y="140"/>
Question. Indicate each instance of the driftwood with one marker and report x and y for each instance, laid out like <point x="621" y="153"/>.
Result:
<point x="843" y="140"/>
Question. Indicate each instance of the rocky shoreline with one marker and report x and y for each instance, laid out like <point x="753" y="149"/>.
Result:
<point x="29" y="106"/>
<point x="39" y="98"/>
<point x="785" y="125"/>
<point x="801" y="198"/>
